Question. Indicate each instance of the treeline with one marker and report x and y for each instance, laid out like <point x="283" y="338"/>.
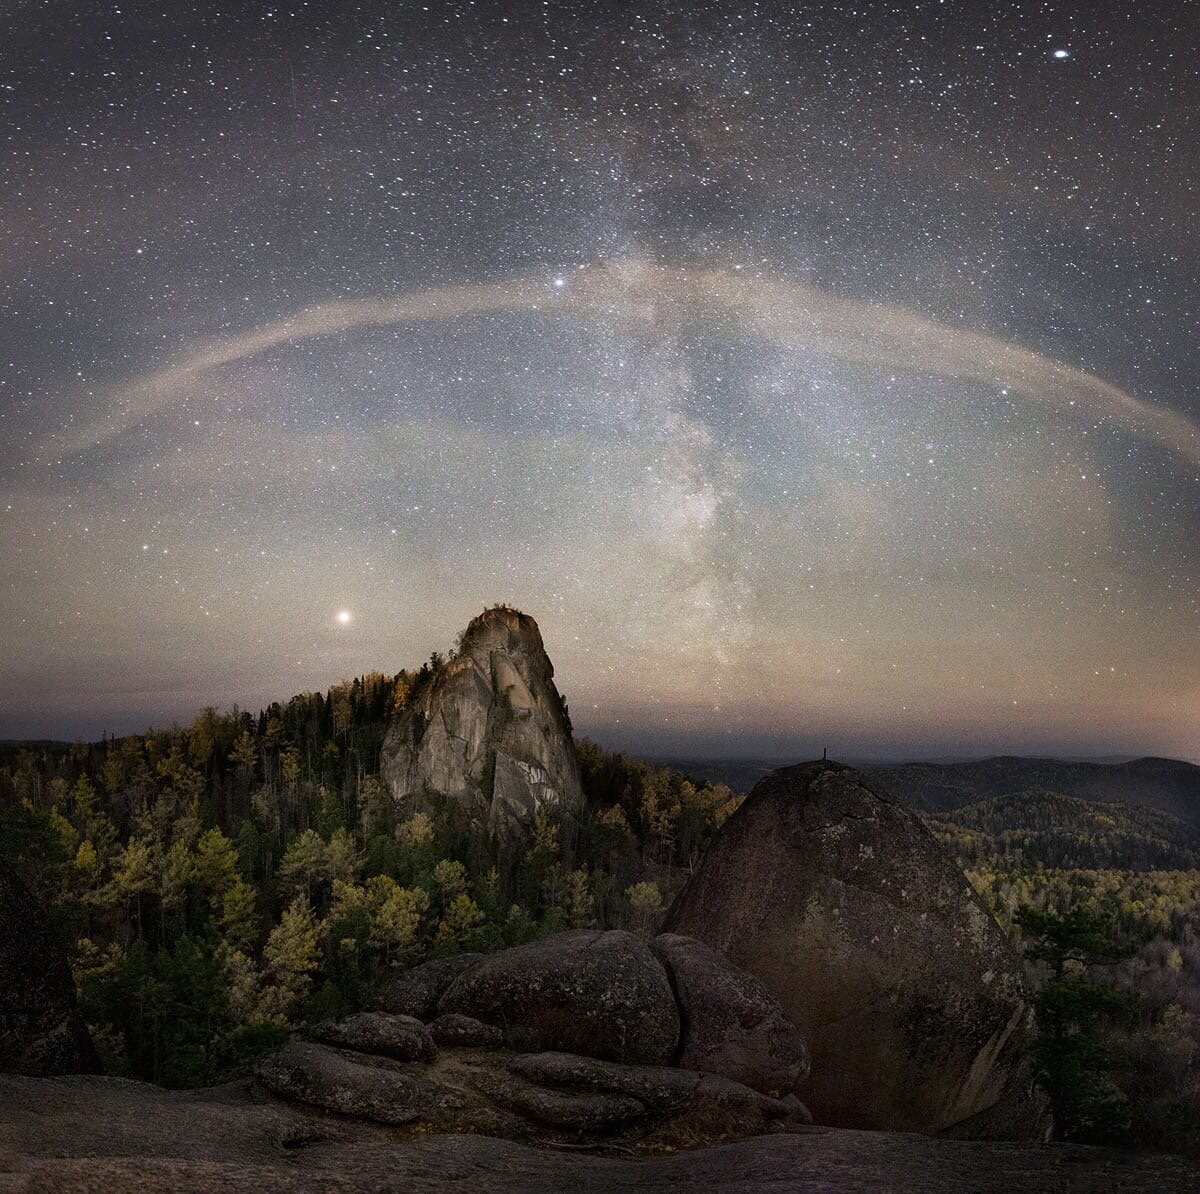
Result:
<point x="1044" y="828"/>
<point x="222" y="882"/>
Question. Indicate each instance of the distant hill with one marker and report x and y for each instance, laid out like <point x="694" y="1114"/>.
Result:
<point x="1135" y="814"/>
<point x="1165" y="785"/>
<point x="1033" y="827"/>
<point x="739" y="774"/>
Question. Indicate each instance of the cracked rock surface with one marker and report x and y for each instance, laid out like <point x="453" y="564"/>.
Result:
<point x="488" y="733"/>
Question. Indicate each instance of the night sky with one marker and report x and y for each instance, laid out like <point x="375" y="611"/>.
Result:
<point x="814" y="374"/>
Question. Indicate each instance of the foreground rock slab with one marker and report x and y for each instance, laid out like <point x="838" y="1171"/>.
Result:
<point x="85" y="1134"/>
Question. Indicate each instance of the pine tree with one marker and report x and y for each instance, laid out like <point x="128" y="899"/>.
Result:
<point x="291" y="954"/>
<point x="1070" y="1054"/>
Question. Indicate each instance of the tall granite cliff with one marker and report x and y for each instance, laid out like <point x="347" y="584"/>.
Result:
<point x="488" y="732"/>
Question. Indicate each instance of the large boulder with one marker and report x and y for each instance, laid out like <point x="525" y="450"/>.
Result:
<point x="843" y="905"/>
<point x="416" y="992"/>
<point x="489" y="733"/>
<point x="41" y="1032"/>
<point x="589" y="992"/>
<point x="731" y="1024"/>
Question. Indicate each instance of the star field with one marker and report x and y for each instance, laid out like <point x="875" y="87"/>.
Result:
<point x="814" y="374"/>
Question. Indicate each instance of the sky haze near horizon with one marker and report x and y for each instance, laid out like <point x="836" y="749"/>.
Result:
<point x="814" y="376"/>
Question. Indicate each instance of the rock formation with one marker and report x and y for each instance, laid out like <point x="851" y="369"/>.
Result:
<point x="488" y="732"/>
<point x="609" y="995"/>
<point x="730" y="1024"/>
<point x="41" y="1032"/>
<point x="843" y="905"/>
<point x="574" y="1037"/>
<point x="600" y="994"/>
<point x="526" y="1096"/>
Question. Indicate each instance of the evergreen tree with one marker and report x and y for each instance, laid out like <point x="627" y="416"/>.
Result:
<point x="1070" y="1053"/>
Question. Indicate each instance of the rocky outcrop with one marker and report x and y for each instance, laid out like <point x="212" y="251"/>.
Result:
<point x="612" y="996"/>
<point x="465" y="1032"/>
<point x="41" y="1031"/>
<point x="540" y="1096"/>
<point x="731" y="1024"/>
<point x="102" y="1134"/>
<point x="488" y="733"/>
<point x="843" y="905"/>
<point x="403" y="1038"/>
<point x="574" y="1037"/>
<point x="589" y="992"/>
<point x="416" y="992"/>
<point x="524" y="1096"/>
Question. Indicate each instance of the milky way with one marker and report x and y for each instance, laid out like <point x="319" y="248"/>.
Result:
<point x="815" y="376"/>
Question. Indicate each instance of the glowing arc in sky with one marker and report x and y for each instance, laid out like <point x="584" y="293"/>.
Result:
<point x="648" y="293"/>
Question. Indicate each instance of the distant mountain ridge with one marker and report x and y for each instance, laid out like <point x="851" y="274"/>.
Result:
<point x="1137" y="814"/>
<point x="1166" y="785"/>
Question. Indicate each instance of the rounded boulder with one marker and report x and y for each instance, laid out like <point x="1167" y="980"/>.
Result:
<point x="732" y="1025"/>
<point x="599" y="994"/>
<point x="845" y="907"/>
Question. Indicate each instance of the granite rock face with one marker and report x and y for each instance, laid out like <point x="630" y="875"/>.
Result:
<point x="489" y="733"/>
<point x="403" y="1038"/>
<point x="731" y="1024"/>
<point x="416" y="992"/>
<point x="843" y="905"/>
<point x="41" y="1031"/>
<point x="599" y="994"/>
